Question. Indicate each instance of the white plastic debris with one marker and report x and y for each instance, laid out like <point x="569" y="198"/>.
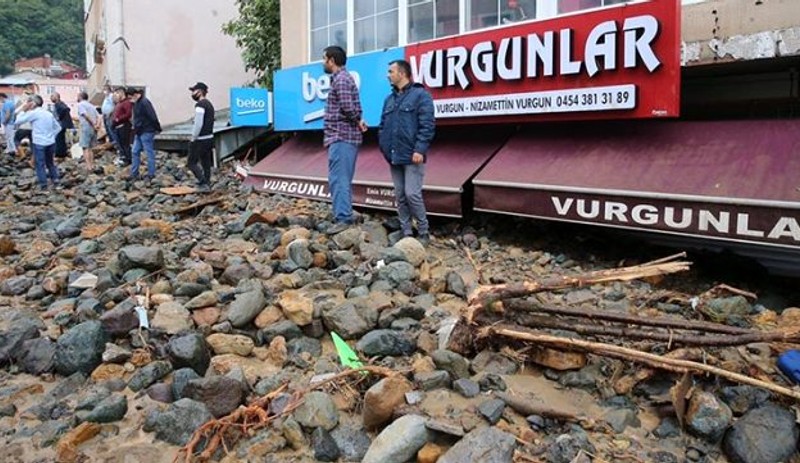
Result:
<point x="695" y="301"/>
<point x="143" y="322"/>
<point x="380" y="264"/>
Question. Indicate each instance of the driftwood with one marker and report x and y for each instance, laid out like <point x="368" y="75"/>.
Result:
<point x="652" y="360"/>
<point x="486" y="296"/>
<point x="626" y="384"/>
<point x="196" y="207"/>
<point x="703" y="339"/>
<point x="526" y="407"/>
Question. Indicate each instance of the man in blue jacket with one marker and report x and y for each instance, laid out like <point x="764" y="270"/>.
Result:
<point x="406" y="131"/>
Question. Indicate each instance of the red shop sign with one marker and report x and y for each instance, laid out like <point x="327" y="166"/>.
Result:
<point x="620" y="62"/>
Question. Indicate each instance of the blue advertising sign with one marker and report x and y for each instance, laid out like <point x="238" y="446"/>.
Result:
<point x="300" y="92"/>
<point x="250" y="107"/>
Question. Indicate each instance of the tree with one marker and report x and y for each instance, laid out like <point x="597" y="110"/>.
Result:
<point x="257" y="31"/>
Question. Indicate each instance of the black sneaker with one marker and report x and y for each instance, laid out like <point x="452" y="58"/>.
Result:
<point x="425" y="239"/>
<point x="337" y="228"/>
<point x="204" y="188"/>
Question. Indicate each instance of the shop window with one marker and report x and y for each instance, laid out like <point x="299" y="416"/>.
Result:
<point x="489" y="13"/>
<point x="328" y="25"/>
<point x="376" y="24"/>
<point x="430" y="19"/>
<point x="568" y="6"/>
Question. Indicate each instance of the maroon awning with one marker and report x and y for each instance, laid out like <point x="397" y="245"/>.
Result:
<point x="728" y="180"/>
<point x="300" y="168"/>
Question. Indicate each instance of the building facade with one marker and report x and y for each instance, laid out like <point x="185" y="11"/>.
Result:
<point x="165" y="47"/>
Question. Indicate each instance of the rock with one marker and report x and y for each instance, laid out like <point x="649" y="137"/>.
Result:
<point x="558" y="360"/>
<point x="413" y="251"/>
<point x="180" y="378"/>
<point x="37" y="356"/>
<point x="293" y="434"/>
<point x="742" y="398"/>
<point x="566" y="447"/>
<point x="390" y="315"/>
<point x="303" y="351"/>
<point x="172" y="318"/>
<point x="492" y="410"/>
<point x="160" y="392"/>
<point x="16" y="286"/>
<point x="430" y="380"/>
<point x="22" y="326"/>
<point x="349" y="320"/>
<point x="284" y="328"/>
<point x="220" y="394"/>
<point x="764" y="435"/>
<point x="108" y="372"/>
<point x="297" y="307"/>
<point x="246" y="307"/>
<point x="149" y="258"/>
<point x="236" y="273"/>
<point x="299" y="254"/>
<point x="178" y="422"/>
<point x="348" y="238"/>
<point x="230" y="344"/>
<point x="149" y="374"/>
<point x="430" y="453"/>
<point x="492" y="362"/>
<point x="707" y="416"/>
<point x="204" y="299"/>
<point x="382" y="398"/>
<point x="667" y="428"/>
<point x="317" y="411"/>
<point x="109" y="410"/>
<point x="207" y="316"/>
<point x="455" y="284"/>
<point x="353" y="442"/>
<point x="115" y="354"/>
<point x="254" y="368"/>
<point x="622" y="418"/>
<point x="451" y="362"/>
<point x="728" y="310"/>
<point x="120" y="320"/>
<point x="385" y="343"/>
<point x="482" y="445"/>
<point x="466" y="387"/>
<point x="400" y="441"/>
<point x="191" y="351"/>
<point x="325" y="448"/>
<point x="271" y="314"/>
<point x="80" y="349"/>
<point x="397" y="273"/>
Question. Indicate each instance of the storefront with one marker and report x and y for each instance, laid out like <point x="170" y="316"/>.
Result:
<point x="562" y="110"/>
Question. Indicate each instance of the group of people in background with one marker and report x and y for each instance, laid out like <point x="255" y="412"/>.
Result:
<point x="130" y="122"/>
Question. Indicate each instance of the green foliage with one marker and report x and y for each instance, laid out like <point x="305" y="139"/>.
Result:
<point x="257" y="31"/>
<point x="30" y="28"/>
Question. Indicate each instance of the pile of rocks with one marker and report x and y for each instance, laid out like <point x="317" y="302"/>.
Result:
<point x="121" y="305"/>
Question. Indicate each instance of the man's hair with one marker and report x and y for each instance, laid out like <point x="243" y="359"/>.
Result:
<point x="337" y="54"/>
<point x="37" y="100"/>
<point x="403" y="66"/>
<point x="83" y="95"/>
<point x="56" y="94"/>
<point x="3" y="95"/>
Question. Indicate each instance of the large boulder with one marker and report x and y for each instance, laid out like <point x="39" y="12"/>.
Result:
<point x="764" y="435"/>
<point x="80" y="349"/>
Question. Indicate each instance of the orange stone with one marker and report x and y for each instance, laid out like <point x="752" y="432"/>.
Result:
<point x="141" y="357"/>
<point x="430" y="453"/>
<point x="206" y="316"/>
<point x="108" y="371"/>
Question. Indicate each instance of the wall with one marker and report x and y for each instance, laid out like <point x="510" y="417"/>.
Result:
<point x="294" y="33"/>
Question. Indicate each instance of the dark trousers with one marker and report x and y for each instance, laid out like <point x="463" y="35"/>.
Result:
<point x="200" y="152"/>
<point x="61" y="144"/>
<point x="124" y="138"/>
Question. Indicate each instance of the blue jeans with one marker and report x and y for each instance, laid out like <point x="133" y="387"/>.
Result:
<point x="144" y="140"/>
<point x="407" y="181"/>
<point x="341" y="168"/>
<point x="43" y="157"/>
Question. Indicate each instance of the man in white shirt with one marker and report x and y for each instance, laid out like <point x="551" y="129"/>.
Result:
<point x="44" y="128"/>
<point x="90" y="121"/>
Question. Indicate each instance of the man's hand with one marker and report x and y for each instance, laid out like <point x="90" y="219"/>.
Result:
<point x="362" y="125"/>
<point x="417" y="158"/>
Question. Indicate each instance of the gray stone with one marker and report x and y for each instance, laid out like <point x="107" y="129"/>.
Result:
<point x="466" y="387"/>
<point x="667" y="428"/>
<point x="134" y="274"/>
<point x="413" y="250"/>
<point x="284" y="328"/>
<point x="729" y="310"/>
<point x="70" y="228"/>
<point x="482" y="445"/>
<point x="764" y="435"/>
<point x="149" y="374"/>
<point x="178" y="422"/>
<point x="293" y="433"/>
<point x="189" y="350"/>
<point x="205" y="299"/>
<point x="146" y="257"/>
<point x="298" y="346"/>
<point x="430" y="380"/>
<point x="353" y="442"/>
<point x="707" y="416"/>
<point x="400" y="441"/>
<point x="742" y="398"/>
<point x="299" y="253"/>
<point x="120" y="320"/>
<point x="16" y="286"/>
<point x="80" y="349"/>
<point x="22" y="326"/>
<point x="236" y="273"/>
<point x="397" y="272"/>
<point x="246" y="307"/>
<point x="220" y="394"/>
<point x="451" y="362"/>
<point x="455" y="284"/>
<point x="180" y="378"/>
<point x="494" y="363"/>
<point x="388" y="316"/>
<point x="492" y="410"/>
<point x="324" y="446"/>
<point x="189" y="289"/>
<point x="317" y="411"/>
<point x="160" y="392"/>
<point x="37" y="356"/>
<point x="348" y="238"/>
<point x="622" y="418"/>
<point x="109" y="410"/>
<point x="349" y="320"/>
<point x="116" y="354"/>
<point x="88" y="247"/>
<point x="566" y="447"/>
<point x="385" y="343"/>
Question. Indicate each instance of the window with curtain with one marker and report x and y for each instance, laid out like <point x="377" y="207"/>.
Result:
<point x="568" y="6"/>
<point x="328" y="25"/>
<point x="430" y="19"/>
<point x="375" y="24"/>
<point x="490" y="13"/>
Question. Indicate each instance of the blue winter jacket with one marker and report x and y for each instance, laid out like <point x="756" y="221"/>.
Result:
<point x="407" y="124"/>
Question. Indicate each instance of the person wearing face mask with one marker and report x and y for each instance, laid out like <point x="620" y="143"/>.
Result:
<point x="145" y="128"/>
<point x="202" y="144"/>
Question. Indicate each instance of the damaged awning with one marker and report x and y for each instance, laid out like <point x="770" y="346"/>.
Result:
<point x="724" y="180"/>
<point x="300" y="168"/>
